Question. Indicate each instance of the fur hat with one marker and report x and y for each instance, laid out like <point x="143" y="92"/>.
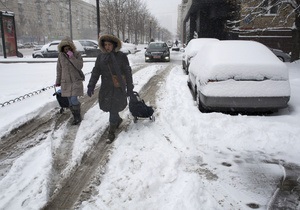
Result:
<point x="109" y="38"/>
<point x="67" y="41"/>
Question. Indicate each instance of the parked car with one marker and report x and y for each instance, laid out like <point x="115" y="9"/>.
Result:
<point x="88" y="43"/>
<point x="29" y="44"/>
<point x="191" y="50"/>
<point x="128" y="48"/>
<point x="157" y="51"/>
<point x="20" y="46"/>
<point x="284" y="57"/>
<point x="50" y="50"/>
<point x="238" y="76"/>
<point x="90" y="46"/>
<point x="37" y="47"/>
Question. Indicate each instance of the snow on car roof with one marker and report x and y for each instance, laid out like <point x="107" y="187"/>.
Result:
<point x="240" y="60"/>
<point x="196" y="44"/>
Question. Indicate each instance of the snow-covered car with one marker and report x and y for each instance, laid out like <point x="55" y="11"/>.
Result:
<point x="157" y="51"/>
<point x="238" y="76"/>
<point x="128" y="48"/>
<point x="284" y="57"/>
<point x="50" y="50"/>
<point x="191" y="50"/>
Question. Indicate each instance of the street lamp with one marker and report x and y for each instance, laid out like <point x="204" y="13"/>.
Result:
<point x="98" y="18"/>
<point x="150" y="30"/>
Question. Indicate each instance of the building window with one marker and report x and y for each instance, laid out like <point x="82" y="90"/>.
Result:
<point x="270" y="7"/>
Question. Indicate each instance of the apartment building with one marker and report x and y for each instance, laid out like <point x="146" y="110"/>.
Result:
<point x="42" y="21"/>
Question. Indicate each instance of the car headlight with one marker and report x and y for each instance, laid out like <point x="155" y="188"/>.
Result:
<point x="147" y="53"/>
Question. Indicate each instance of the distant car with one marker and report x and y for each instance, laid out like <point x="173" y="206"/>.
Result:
<point x="90" y="46"/>
<point x="37" y="47"/>
<point x="88" y="43"/>
<point x="20" y="46"/>
<point x="238" y="76"/>
<point x="128" y="48"/>
<point x="176" y="48"/>
<point x="284" y="57"/>
<point x="157" y="51"/>
<point x="191" y="50"/>
<point x="50" y="50"/>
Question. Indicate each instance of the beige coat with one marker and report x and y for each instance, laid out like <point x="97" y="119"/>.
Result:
<point x="67" y="71"/>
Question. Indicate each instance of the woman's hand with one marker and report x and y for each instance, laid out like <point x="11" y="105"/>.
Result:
<point x="70" y="54"/>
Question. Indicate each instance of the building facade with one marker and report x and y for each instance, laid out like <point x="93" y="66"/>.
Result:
<point x="267" y="23"/>
<point x="207" y="19"/>
<point x="260" y="20"/>
<point x="42" y="21"/>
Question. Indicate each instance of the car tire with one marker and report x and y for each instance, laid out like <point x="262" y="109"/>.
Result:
<point x="38" y="56"/>
<point x="281" y="58"/>
<point x="200" y="106"/>
<point x="186" y="70"/>
<point x="195" y="94"/>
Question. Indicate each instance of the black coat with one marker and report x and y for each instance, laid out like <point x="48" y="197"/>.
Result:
<point x="111" y="98"/>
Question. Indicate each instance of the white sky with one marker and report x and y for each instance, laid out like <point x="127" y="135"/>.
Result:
<point x="175" y="162"/>
<point x="165" y="11"/>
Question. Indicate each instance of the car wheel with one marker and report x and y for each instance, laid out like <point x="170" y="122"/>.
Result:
<point x="186" y="70"/>
<point x="38" y="56"/>
<point x="200" y="106"/>
<point x="195" y="94"/>
<point x="280" y="58"/>
<point x="189" y="84"/>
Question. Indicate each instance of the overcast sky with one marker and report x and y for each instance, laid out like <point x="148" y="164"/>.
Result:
<point x="165" y="11"/>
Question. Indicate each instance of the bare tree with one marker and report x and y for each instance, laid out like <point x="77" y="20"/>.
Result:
<point x="286" y="15"/>
<point x="128" y="19"/>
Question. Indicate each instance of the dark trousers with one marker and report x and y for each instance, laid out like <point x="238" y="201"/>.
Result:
<point x="114" y="118"/>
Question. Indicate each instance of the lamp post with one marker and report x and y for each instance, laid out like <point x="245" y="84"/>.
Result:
<point x="71" y="34"/>
<point x="150" y="30"/>
<point x="98" y="18"/>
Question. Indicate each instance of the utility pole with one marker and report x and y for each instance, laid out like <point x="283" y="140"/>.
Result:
<point x="98" y="18"/>
<point x="150" y="31"/>
<point x="70" y="12"/>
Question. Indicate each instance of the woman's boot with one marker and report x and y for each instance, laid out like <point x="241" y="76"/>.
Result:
<point x="111" y="133"/>
<point x="75" y="109"/>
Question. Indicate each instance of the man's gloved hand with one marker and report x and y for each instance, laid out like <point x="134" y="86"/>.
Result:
<point x="70" y="53"/>
<point x="57" y="85"/>
<point x="90" y="91"/>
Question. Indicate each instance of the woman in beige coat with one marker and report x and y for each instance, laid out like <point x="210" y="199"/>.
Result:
<point x="69" y="76"/>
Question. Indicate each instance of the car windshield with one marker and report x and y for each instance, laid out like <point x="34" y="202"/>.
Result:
<point x="157" y="45"/>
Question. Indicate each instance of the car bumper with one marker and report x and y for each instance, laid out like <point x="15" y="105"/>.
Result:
<point x="248" y="96"/>
<point x="157" y="58"/>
